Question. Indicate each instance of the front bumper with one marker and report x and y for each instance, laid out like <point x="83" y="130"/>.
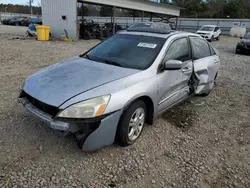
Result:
<point x="243" y="49"/>
<point x="48" y="119"/>
<point x="5" y="22"/>
<point x="95" y="133"/>
<point x="204" y="36"/>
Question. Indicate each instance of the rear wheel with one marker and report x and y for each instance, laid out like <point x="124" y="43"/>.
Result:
<point x="131" y="123"/>
<point x="218" y="38"/>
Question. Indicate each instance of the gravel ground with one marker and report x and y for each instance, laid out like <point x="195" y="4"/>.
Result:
<point x="203" y="142"/>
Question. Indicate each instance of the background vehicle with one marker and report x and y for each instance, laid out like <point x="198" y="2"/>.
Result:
<point x="6" y="21"/>
<point x="112" y="90"/>
<point x="108" y="29"/>
<point x="156" y="25"/>
<point x="209" y="32"/>
<point x="27" y="21"/>
<point x="89" y="30"/>
<point x="16" y="20"/>
<point x="243" y="47"/>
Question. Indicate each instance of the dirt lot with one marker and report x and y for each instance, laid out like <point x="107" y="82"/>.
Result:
<point x="204" y="142"/>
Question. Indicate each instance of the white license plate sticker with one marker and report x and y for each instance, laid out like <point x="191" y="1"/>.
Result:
<point x="147" y="45"/>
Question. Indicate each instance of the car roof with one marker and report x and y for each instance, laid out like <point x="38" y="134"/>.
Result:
<point x="209" y="26"/>
<point x="160" y="35"/>
<point x="154" y="29"/>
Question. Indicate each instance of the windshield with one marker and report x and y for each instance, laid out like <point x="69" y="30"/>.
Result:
<point x="129" y="51"/>
<point x="206" y="28"/>
<point x="247" y="36"/>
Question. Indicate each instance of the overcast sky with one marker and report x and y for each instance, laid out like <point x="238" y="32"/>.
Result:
<point x="20" y="2"/>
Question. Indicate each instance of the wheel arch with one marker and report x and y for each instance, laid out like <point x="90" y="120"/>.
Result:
<point x="149" y="105"/>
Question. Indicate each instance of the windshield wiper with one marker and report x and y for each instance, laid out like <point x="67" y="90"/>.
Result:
<point x="86" y="56"/>
<point x="112" y="63"/>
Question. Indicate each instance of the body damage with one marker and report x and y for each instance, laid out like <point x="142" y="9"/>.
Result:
<point x="79" y="79"/>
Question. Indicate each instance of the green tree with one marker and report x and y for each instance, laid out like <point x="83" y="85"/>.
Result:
<point x="165" y="1"/>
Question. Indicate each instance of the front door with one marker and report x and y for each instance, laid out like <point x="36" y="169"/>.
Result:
<point x="216" y="32"/>
<point x="206" y="65"/>
<point x="173" y="84"/>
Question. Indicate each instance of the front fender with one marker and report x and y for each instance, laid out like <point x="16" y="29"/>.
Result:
<point x="123" y="98"/>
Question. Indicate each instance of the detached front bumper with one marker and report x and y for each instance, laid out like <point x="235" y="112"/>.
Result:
<point x="93" y="134"/>
<point x="54" y="124"/>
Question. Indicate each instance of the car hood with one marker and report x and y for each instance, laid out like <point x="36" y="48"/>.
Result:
<point x="59" y="82"/>
<point x="246" y="41"/>
<point x="204" y="32"/>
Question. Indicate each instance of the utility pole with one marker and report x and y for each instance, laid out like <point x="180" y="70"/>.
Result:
<point x="30" y="3"/>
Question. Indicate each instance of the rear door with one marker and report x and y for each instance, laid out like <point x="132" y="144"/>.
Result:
<point x="173" y="84"/>
<point x="206" y="64"/>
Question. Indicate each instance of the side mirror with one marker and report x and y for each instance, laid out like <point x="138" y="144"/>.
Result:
<point x="173" y="65"/>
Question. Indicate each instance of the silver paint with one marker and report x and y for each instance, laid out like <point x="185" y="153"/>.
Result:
<point x="78" y="79"/>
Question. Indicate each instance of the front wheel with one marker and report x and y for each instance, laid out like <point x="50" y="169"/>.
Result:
<point x="212" y="38"/>
<point x="131" y="123"/>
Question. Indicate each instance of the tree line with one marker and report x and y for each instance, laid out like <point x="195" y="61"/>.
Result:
<point x="192" y="8"/>
<point x="24" y="9"/>
<point x="213" y="8"/>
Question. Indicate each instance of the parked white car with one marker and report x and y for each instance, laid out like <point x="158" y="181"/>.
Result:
<point x="209" y="32"/>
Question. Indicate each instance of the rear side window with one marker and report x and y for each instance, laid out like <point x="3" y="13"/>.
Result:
<point x="200" y="48"/>
<point x="178" y="50"/>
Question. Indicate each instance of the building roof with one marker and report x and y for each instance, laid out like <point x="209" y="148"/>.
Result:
<point x="140" y="5"/>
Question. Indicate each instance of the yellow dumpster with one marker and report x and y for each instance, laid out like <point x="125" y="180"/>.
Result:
<point x="42" y="32"/>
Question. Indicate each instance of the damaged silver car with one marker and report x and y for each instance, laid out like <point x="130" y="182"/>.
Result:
<point x="108" y="93"/>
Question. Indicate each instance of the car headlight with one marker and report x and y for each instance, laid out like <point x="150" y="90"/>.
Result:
<point x="86" y="109"/>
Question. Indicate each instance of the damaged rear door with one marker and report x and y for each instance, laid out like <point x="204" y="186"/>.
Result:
<point x="206" y="64"/>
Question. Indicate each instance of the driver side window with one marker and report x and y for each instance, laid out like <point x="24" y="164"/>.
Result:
<point x="178" y="50"/>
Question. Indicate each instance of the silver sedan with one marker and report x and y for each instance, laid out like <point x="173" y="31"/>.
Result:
<point x="108" y="93"/>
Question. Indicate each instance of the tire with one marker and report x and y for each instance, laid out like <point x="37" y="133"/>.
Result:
<point x="218" y="38"/>
<point x="86" y="35"/>
<point x="17" y="24"/>
<point x="212" y="38"/>
<point x="128" y="132"/>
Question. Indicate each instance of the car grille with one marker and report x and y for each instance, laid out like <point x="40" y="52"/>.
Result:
<point x="51" y="110"/>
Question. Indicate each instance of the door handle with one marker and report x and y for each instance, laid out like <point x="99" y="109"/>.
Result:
<point x="216" y="61"/>
<point x="186" y="69"/>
